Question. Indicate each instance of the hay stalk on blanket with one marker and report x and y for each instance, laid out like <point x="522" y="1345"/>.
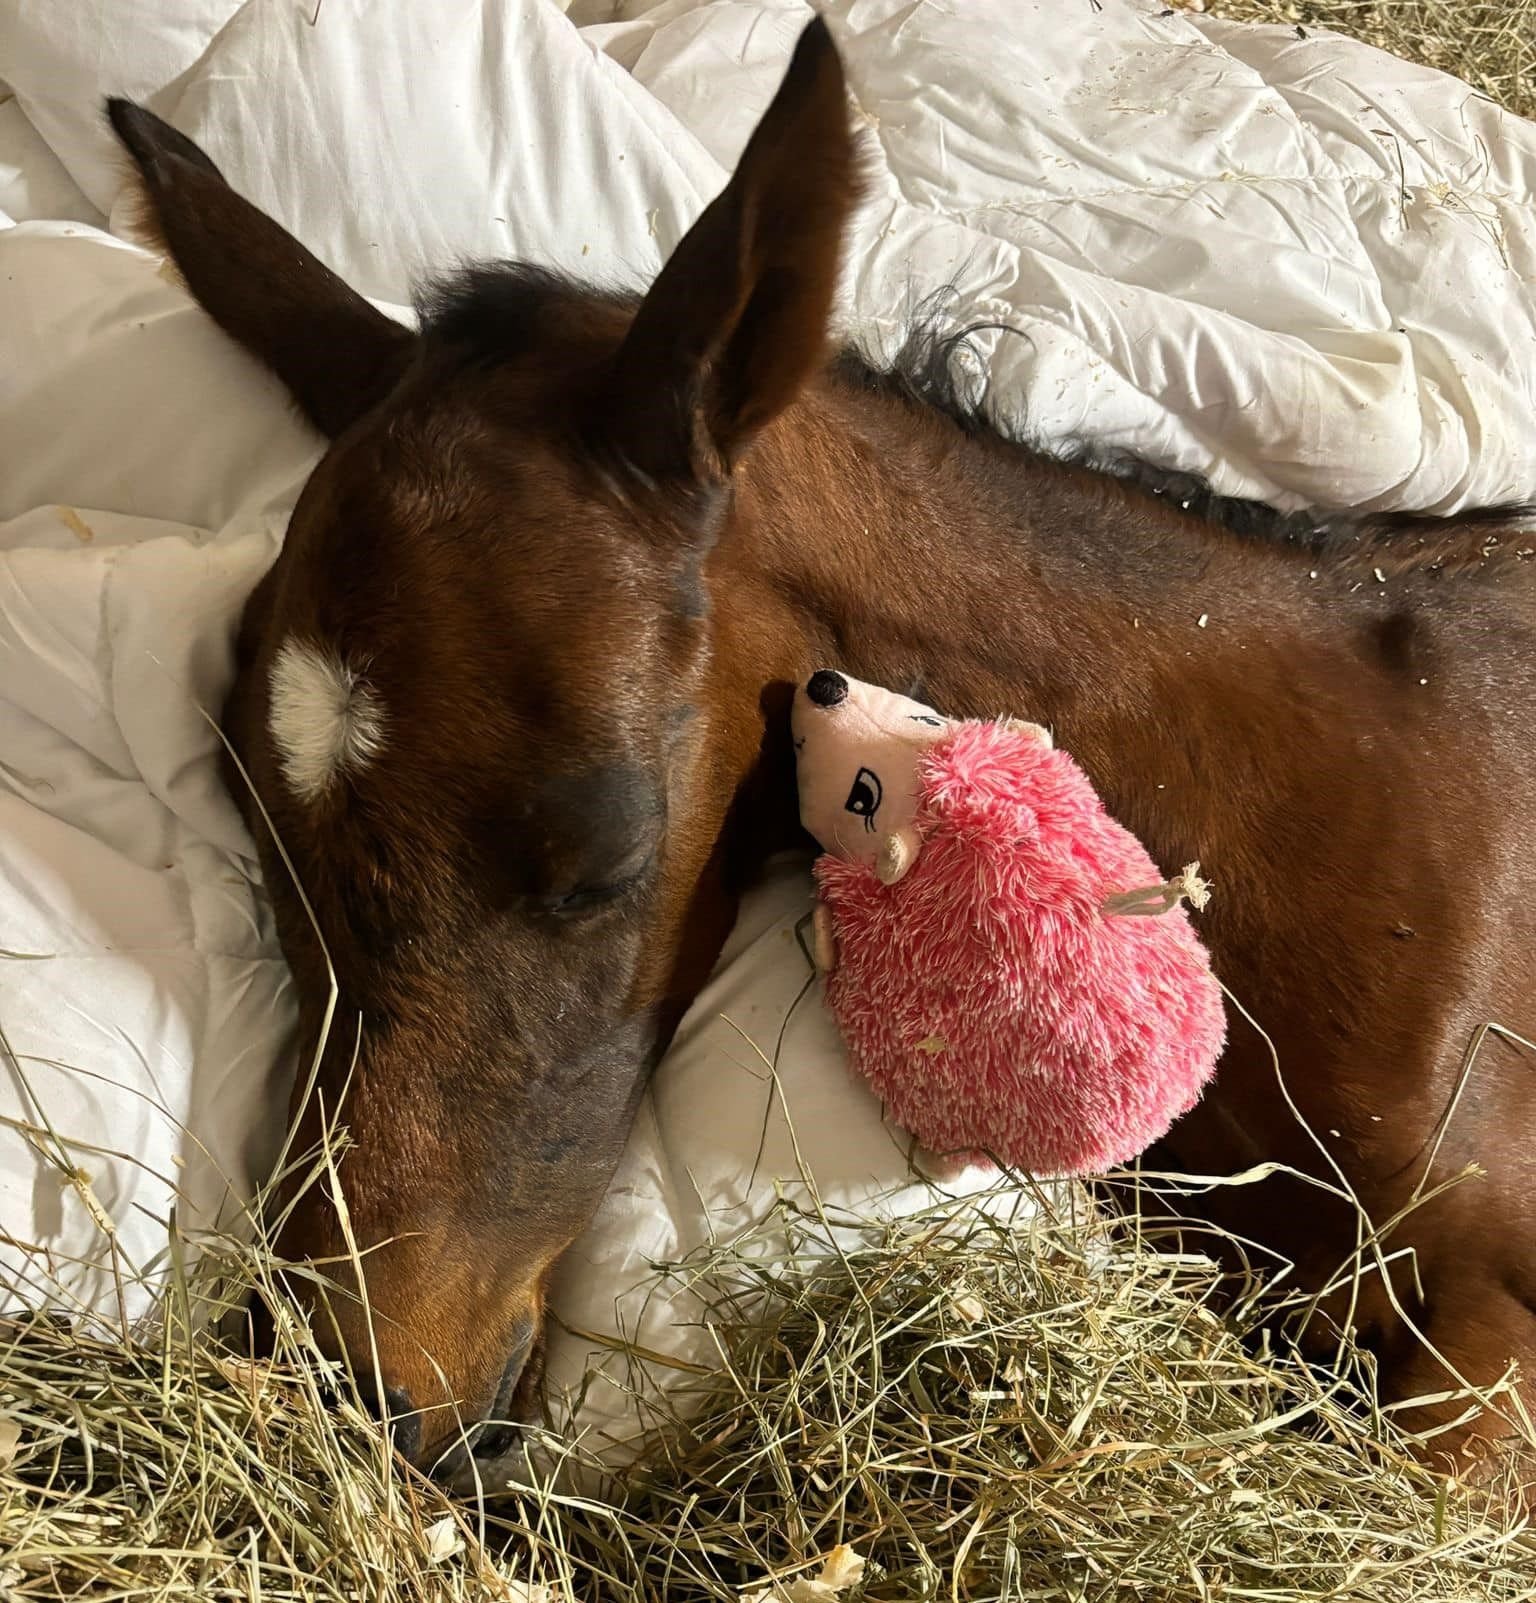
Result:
<point x="952" y="1406"/>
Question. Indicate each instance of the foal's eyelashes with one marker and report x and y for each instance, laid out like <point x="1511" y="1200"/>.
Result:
<point x="586" y="899"/>
<point x="589" y="898"/>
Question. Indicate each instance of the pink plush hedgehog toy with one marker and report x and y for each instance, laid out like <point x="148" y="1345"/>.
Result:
<point x="976" y="924"/>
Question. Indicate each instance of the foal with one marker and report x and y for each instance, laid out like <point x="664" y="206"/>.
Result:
<point x="514" y="697"/>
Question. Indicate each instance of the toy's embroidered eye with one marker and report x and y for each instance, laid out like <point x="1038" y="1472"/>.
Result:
<point x="864" y="798"/>
<point x="924" y="718"/>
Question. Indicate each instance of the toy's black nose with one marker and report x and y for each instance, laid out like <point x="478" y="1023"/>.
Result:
<point x="827" y="689"/>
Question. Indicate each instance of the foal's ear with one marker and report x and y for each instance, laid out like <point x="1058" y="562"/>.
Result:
<point x="335" y="352"/>
<point x="737" y="320"/>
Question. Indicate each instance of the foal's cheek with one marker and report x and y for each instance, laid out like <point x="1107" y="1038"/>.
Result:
<point x="689" y="913"/>
<point x="686" y="930"/>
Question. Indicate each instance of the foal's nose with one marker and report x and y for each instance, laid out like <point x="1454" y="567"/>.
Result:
<point x="827" y="689"/>
<point x="396" y="1415"/>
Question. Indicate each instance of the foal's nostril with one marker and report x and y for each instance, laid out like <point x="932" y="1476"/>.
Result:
<point x="398" y="1416"/>
<point x="497" y="1440"/>
<point x="260" y="1327"/>
<point x="827" y="689"/>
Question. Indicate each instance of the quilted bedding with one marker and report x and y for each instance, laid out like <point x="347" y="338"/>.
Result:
<point x="1299" y="267"/>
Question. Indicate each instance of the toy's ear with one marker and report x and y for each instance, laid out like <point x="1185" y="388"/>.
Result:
<point x="1039" y="732"/>
<point x="898" y="852"/>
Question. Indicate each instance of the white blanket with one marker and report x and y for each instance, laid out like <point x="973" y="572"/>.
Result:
<point x="1299" y="267"/>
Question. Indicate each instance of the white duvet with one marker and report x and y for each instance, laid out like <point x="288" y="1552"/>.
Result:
<point x="1297" y="266"/>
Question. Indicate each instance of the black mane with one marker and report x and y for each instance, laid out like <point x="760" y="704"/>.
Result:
<point x="489" y="311"/>
<point x="936" y="367"/>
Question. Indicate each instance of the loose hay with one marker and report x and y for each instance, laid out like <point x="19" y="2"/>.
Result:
<point x="1491" y="44"/>
<point x="972" y="1409"/>
<point x="988" y="1412"/>
<point x="168" y="1467"/>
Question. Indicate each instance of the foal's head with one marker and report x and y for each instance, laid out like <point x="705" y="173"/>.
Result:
<point x="476" y="698"/>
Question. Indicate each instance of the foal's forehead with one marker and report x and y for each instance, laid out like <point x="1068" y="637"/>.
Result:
<point x="584" y="766"/>
<point x="465" y="600"/>
<point x="474" y="655"/>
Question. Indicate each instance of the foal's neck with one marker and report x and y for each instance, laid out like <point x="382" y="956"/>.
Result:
<point x="877" y="537"/>
<point x="894" y="544"/>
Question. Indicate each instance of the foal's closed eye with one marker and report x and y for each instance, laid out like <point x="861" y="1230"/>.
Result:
<point x="590" y="898"/>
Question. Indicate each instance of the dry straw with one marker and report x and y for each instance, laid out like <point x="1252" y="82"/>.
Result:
<point x="954" y="1406"/>
<point x="990" y="1411"/>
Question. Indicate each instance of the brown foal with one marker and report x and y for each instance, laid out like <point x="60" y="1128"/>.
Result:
<point x="549" y="589"/>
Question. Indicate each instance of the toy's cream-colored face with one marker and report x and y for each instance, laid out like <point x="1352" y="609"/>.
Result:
<point x="858" y="749"/>
<point x="858" y="758"/>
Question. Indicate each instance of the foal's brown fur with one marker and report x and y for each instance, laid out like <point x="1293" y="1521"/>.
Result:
<point x="580" y="549"/>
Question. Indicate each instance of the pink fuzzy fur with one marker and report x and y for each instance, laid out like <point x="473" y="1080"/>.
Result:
<point x="986" y="996"/>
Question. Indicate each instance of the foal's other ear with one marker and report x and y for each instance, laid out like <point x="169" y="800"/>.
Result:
<point x="335" y="352"/>
<point x="737" y="320"/>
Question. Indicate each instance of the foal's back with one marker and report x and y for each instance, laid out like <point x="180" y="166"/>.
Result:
<point x="1394" y="925"/>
